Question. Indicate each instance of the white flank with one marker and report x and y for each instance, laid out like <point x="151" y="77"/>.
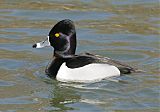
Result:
<point x="88" y="73"/>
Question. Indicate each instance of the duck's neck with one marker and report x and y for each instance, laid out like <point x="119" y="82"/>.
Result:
<point x="58" y="60"/>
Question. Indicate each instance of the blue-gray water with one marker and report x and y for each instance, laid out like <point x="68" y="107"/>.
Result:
<point x="126" y="30"/>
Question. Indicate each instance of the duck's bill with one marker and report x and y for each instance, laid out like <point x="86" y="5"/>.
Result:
<point x="42" y="44"/>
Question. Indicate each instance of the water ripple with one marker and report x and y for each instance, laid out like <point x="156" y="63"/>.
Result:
<point x="17" y="100"/>
<point x="6" y="83"/>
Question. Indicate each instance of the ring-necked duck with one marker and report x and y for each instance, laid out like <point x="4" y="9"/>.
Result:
<point x="85" y="67"/>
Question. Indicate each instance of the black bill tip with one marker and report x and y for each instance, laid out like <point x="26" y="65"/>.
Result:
<point x="34" y="46"/>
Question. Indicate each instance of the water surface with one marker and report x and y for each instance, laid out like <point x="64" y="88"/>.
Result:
<point x="123" y="30"/>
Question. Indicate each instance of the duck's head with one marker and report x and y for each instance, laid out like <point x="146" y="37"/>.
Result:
<point x="62" y="38"/>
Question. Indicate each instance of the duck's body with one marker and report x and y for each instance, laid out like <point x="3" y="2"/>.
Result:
<point x="86" y="67"/>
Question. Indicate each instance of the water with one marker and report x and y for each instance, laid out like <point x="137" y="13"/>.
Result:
<point x="125" y="30"/>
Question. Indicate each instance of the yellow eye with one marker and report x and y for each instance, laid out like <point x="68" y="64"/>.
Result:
<point x="57" y="35"/>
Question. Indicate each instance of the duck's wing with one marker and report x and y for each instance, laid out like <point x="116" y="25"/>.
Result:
<point x="88" y="58"/>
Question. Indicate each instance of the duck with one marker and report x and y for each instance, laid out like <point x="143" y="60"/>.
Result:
<point x="66" y="66"/>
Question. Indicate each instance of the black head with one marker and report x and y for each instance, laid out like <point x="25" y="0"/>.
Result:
<point x="63" y="37"/>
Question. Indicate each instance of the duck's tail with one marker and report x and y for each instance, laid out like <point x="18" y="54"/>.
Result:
<point x="125" y="70"/>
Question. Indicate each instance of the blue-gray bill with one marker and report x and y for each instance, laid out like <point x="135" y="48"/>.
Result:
<point x="42" y="44"/>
